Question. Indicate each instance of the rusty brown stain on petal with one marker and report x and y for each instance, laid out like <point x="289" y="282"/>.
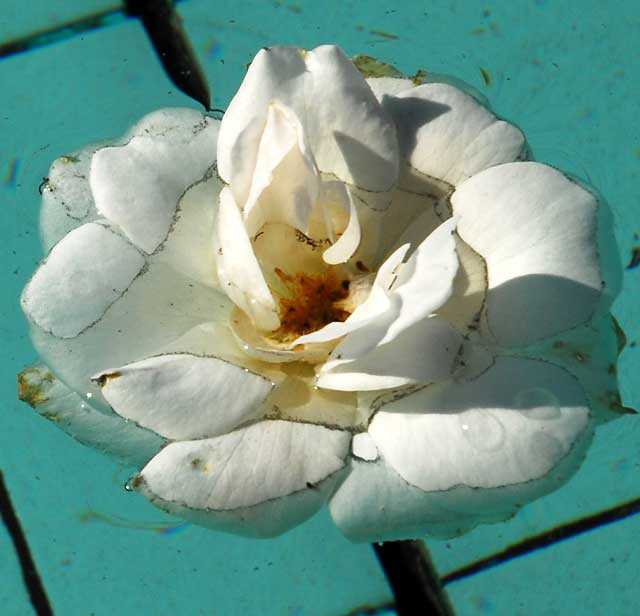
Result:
<point x="33" y="383"/>
<point x="107" y="377"/>
<point x="30" y="392"/>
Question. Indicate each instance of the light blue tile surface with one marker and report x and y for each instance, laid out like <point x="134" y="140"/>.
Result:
<point x="567" y="75"/>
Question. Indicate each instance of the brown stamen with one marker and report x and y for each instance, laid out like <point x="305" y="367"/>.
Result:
<point x="312" y="302"/>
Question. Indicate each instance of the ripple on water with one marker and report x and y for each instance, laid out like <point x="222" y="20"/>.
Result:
<point x="537" y="403"/>
<point x="482" y="429"/>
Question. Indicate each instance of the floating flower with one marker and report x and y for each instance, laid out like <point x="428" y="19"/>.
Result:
<point x="351" y="291"/>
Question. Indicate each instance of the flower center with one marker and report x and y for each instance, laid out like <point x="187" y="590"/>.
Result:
<point x="312" y="301"/>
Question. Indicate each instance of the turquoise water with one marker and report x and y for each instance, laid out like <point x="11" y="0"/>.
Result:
<point x="569" y="77"/>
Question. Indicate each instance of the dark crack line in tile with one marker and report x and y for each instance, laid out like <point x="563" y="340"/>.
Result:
<point x="372" y="610"/>
<point x="547" y="538"/>
<point x="30" y="575"/>
<point x="415" y="583"/>
<point x="64" y="31"/>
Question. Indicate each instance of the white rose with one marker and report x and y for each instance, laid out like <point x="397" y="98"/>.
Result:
<point x="365" y="298"/>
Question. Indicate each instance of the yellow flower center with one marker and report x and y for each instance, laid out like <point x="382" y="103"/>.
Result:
<point x="312" y="301"/>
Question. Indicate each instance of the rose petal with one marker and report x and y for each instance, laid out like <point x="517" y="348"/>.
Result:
<point x="447" y="134"/>
<point x="392" y="345"/>
<point x="157" y="308"/>
<point x="388" y="86"/>
<point x="84" y="274"/>
<point x="537" y="233"/>
<point x="425" y="281"/>
<point x="374" y="503"/>
<point x="422" y="353"/>
<point x="377" y="310"/>
<point x="342" y="250"/>
<point x="188" y="248"/>
<point x="285" y="183"/>
<point x="138" y="185"/>
<point x="591" y="354"/>
<point x="182" y="396"/>
<point x="363" y="447"/>
<point x="348" y="132"/>
<point x="277" y="467"/>
<point x="70" y="412"/>
<point x="67" y="201"/>
<point x="513" y="424"/>
<point x="238" y="269"/>
<point x="421" y="286"/>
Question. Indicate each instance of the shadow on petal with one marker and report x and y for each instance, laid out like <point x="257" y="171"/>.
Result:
<point x="417" y="112"/>
<point x="533" y="307"/>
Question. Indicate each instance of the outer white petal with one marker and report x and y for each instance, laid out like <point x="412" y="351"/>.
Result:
<point x="422" y="353"/>
<point x="238" y="269"/>
<point x="155" y="310"/>
<point x="591" y="354"/>
<point x="348" y="132"/>
<point x="513" y="424"/>
<point x="374" y="503"/>
<point x="70" y="412"/>
<point x="447" y="134"/>
<point x="278" y="466"/>
<point x="277" y="73"/>
<point x="84" y="274"/>
<point x="189" y="248"/>
<point x="182" y="396"/>
<point x="67" y="201"/>
<point x="388" y="86"/>
<point x="285" y="183"/>
<point x="138" y="185"/>
<point x="537" y="232"/>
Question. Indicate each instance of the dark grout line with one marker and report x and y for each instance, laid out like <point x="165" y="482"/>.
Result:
<point x="547" y="538"/>
<point x="61" y="32"/>
<point x="413" y="579"/>
<point x="64" y="31"/>
<point x="30" y="575"/>
<point x="371" y="610"/>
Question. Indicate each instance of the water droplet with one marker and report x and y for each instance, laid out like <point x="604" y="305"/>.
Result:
<point x="537" y="403"/>
<point x="89" y="394"/>
<point x="127" y="487"/>
<point x="83" y="405"/>
<point x="482" y="430"/>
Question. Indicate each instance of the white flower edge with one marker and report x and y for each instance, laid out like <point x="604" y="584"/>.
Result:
<point x="441" y="470"/>
<point x="259" y="480"/>
<point x="243" y="508"/>
<point x="109" y="433"/>
<point x="361" y="148"/>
